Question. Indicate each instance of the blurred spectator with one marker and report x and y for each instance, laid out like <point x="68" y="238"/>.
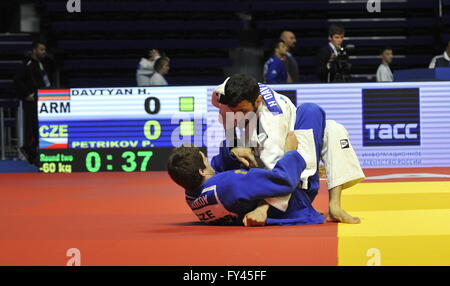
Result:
<point x="31" y="76"/>
<point x="327" y="56"/>
<point x="146" y="68"/>
<point x="161" y="69"/>
<point x="274" y="69"/>
<point x="442" y="60"/>
<point x="291" y="64"/>
<point x="384" y="72"/>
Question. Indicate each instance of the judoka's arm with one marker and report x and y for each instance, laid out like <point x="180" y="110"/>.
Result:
<point x="231" y="158"/>
<point x="258" y="216"/>
<point x="224" y="160"/>
<point x="259" y="184"/>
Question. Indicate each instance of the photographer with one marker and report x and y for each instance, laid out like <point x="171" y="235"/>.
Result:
<point x="332" y="60"/>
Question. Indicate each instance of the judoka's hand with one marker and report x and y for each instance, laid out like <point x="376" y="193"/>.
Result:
<point x="245" y="156"/>
<point x="257" y="217"/>
<point x="291" y="142"/>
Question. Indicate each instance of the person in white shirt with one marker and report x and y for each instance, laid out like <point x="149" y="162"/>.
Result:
<point x="384" y="73"/>
<point x="441" y="60"/>
<point x="161" y="69"/>
<point x="146" y="68"/>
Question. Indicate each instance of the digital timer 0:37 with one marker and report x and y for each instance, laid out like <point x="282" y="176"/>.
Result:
<point x="94" y="161"/>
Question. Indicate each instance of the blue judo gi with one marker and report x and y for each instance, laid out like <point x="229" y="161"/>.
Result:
<point x="232" y="192"/>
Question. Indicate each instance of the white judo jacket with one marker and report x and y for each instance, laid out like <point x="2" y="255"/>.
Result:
<point x="277" y="116"/>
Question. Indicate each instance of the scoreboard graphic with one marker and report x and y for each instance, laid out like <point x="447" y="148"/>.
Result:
<point x="134" y="129"/>
<point x="116" y="129"/>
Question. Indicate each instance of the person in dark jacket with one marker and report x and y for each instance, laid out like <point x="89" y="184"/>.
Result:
<point x="328" y="54"/>
<point x="441" y="61"/>
<point x="31" y="76"/>
<point x="291" y="63"/>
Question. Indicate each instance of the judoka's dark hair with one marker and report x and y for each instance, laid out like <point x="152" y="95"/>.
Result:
<point x="183" y="165"/>
<point x="238" y="88"/>
<point x="336" y="29"/>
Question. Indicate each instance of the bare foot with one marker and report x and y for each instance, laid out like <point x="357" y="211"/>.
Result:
<point x="339" y="215"/>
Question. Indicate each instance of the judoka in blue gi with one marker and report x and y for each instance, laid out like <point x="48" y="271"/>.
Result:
<point x="223" y="193"/>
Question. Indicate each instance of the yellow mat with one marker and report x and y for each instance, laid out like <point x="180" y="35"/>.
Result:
<point x="402" y="224"/>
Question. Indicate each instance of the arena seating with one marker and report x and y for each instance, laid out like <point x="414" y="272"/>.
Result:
<point x="103" y="47"/>
<point x="445" y="31"/>
<point x="12" y="47"/>
<point x="403" y="25"/>
<point x="103" y="44"/>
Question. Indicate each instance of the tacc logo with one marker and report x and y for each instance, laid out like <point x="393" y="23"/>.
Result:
<point x="391" y="117"/>
<point x="395" y="131"/>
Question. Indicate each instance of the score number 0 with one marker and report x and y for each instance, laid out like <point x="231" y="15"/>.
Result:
<point x="152" y="105"/>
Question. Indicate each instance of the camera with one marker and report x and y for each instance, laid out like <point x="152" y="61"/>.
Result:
<point x="340" y="67"/>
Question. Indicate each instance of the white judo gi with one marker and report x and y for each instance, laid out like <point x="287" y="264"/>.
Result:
<point x="341" y="164"/>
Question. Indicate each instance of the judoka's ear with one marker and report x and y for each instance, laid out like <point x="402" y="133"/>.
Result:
<point x="202" y="172"/>
<point x="258" y="100"/>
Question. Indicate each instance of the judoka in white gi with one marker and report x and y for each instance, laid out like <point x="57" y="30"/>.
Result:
<point x="267" y="117"/>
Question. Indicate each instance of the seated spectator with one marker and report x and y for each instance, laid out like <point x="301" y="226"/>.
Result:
<point x="274" y="69"/>
<point x="161" y="69"/>
<point x="384" y="73"/>
<point x="441" y="61"/>
<point x="291" y="64"/>
<point x="146" y="68"/>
